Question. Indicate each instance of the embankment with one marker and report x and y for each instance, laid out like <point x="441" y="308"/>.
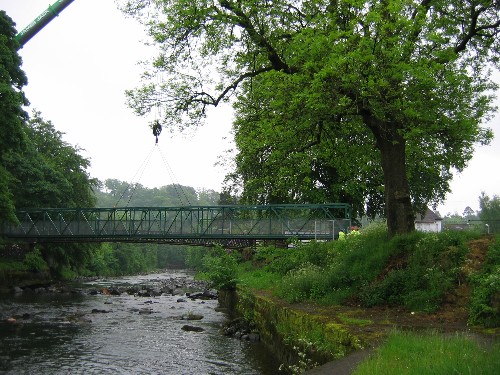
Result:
<point x="297" y="332"/>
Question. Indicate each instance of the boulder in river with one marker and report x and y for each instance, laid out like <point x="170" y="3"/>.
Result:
<point x="189" y="328"/>
<point x="191" y="316"/>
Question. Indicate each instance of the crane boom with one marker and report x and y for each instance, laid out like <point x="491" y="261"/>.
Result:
<point x="41" y="21"/>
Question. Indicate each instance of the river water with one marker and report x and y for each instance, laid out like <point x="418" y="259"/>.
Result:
<point x="90" y="332"/>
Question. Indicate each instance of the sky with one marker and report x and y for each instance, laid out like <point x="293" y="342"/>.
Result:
<point x="78" y="69"/>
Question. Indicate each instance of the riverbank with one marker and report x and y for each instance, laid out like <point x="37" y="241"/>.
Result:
<point x="336" y="339"/>
<point x="340" y="303"/>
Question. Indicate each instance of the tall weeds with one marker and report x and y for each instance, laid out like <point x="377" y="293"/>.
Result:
<point x="414" y="270"/>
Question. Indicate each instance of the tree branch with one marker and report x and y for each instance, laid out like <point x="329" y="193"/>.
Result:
<point x="473" y="29"/>
<point x="315" y="141"/>
<point x="259" y="39"/>
<point x="207" y="99"/>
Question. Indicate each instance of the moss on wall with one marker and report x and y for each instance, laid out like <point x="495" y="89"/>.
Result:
<point x="291" y="332"/>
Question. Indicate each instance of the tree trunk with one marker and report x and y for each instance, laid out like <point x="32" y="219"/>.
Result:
<point x="398" y="206"/>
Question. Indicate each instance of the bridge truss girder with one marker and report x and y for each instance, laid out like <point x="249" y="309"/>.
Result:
<point x="186" y="224"/>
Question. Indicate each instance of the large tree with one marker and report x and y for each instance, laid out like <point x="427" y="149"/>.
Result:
<point x="48" y="172"/>
<point x="414" y="73"/>
<point x="12" y="115"/>
<point x="490" y="212"/>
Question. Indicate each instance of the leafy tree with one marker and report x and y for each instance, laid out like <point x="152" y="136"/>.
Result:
<point x="207" y="197"/>
<point x="469" y="213"/>
<point x="114" y="192"/>
<point x="413" y="73"/>
<point x="490" y="212"/>
<point x="49" y="172"/>
<point x="321" y="171"/>
<point x="454" y="218"/>
<point x="12" y="116"/>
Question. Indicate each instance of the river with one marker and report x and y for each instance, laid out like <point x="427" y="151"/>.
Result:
<point x="86" y="330"/>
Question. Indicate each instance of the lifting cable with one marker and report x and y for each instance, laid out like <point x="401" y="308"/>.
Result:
<point x="141" y="169"/>
<point x="176" y="185"/>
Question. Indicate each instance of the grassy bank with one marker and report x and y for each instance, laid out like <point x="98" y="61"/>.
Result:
<point x="370" y="283"/>
<point x="432" y="353"/>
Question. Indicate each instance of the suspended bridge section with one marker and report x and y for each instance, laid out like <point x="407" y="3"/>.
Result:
<point x="228" y="225"/>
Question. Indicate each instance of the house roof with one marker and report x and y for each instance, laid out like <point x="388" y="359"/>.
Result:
<point x="429" y="217"/>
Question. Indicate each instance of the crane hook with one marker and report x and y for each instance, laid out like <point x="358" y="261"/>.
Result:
<point x="156" y="129"/>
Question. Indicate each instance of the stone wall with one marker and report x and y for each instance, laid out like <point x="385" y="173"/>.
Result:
<point x="290" y="331"/>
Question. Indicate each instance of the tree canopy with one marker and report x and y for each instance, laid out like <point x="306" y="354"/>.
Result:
<point x="490" y="212"/>
<point x="342" y="99"/>
<point x="113" y="192"/>
<point x="12" y="116"/>
<point x="49" y="172"/>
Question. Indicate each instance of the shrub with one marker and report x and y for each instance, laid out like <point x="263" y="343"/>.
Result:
<point x="485" y="296"/>
<point x="306" y="282"/>
<point x="221" y="268"/>
<point x="195" y="257"/>
<point x="34" y="261"/>
<point x="422" y="268"/>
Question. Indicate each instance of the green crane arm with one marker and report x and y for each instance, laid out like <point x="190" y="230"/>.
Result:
<point x="41" y="21"/>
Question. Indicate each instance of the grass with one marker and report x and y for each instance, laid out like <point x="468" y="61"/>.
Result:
<point x="408" y="353"/>
<point x="353" y="321"/>
<point x="414" y="272"/>
<point x="257" y="278"/>
<point x="11" y="265"/>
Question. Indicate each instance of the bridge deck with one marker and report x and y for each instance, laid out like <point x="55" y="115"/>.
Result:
<point x="187" y="224"/>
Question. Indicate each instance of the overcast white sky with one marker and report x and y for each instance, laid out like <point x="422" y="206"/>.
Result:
<point x="81" y="63"/>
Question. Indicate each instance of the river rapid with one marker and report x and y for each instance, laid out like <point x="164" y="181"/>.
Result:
<point x="98" y="328"/>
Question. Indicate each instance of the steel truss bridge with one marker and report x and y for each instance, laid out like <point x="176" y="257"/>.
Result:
<point x="230" y="226"/>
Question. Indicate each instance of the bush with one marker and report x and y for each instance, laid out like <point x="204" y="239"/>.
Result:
<point x="485" y="296"/>
<point x="335" y="270"/>
<point x="306" y="282"/>
<point x="34" y="261"/>
<point x="221" y="268"/>
<point x="422" y="268"/>
<point x="195" y="257"/>
<point x="415" y="270"/>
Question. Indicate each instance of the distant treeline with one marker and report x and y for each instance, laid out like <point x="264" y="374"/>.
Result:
<point x="112" y="192"/>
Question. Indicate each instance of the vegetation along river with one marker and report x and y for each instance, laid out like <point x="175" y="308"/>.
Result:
<point x="129" y="325"/>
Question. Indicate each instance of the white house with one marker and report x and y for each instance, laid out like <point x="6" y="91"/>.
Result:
<point x="429" y="222"/>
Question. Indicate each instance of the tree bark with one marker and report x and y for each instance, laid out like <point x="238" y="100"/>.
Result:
<point x="392" y="145"/>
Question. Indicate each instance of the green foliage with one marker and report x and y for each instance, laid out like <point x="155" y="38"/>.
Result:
<point x="485" y="297"/>
<point x="409" y="353"/>
<point x="353" y="101"/>
<point x="221" y="268"/>
<point x="112" y="192"/>
<point x="420" y="272"/>
<point x="113" y="259"/>
<point x="305" y="283"/>
<point x="49" y="172"/>
<point x="12" y="115"/>
<point x="171" y="256"/>
<point x="103" y="262"/>
<point x="11" y="265"/>
<point x="490" y="213"/>
<point x="257" y="278"/>
<point x="351" y="264"/>
<point x="34" y="261"/>
<point x="195" y="258"/>
<point x="135" y="258"/>
<point x="414" y="270"/>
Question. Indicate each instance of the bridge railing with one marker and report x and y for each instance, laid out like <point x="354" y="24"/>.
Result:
<point x="311" y="221"/>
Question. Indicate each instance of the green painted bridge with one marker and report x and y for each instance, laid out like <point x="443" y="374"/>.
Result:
<point x="235" y="225"/>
